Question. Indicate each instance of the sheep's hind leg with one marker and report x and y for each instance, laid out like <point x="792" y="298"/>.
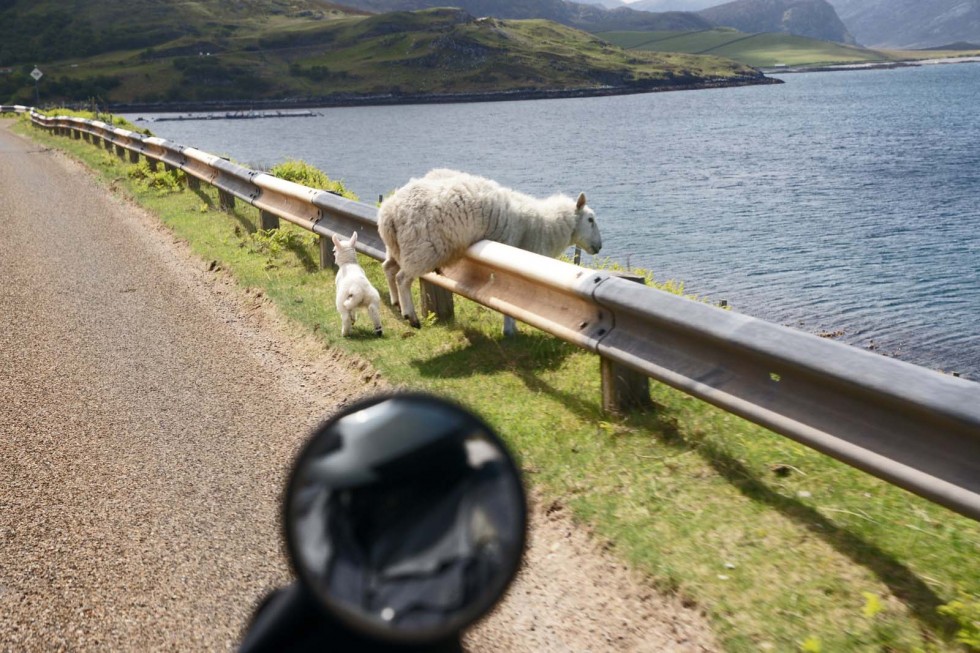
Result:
<point x="391" y="268"/>
<point x="405" y="297"/>
<point x="345" y="323"/>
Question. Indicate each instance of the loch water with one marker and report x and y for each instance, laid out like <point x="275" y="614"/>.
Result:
<point x="843" y="201"/>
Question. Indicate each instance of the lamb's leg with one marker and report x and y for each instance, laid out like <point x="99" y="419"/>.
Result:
<point x="345" y="323"/>
<point x="510" y="326"/>
<point x="391" y="268"/>
<point x="405" y="297"/>
<point x="375" y="313"/>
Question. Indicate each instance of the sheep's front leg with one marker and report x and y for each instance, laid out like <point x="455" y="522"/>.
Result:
<point x="405" y="297"/>
<point x="391" y="268"/>
<point x="510" y="326"/>
<point x="375" y="313"/>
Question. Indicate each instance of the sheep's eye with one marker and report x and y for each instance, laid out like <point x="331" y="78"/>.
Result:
<point x="592" y="220"/>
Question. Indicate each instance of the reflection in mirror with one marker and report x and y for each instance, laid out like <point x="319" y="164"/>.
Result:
<point x="406" y="517"/>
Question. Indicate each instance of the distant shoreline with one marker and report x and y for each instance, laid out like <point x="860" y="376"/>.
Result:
<point x="388" y="99"/>
<point x="880" y="65"/>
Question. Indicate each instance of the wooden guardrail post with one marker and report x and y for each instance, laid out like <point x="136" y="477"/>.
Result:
<point x="327" y="259"/>
<point x="121" y="152"/>
<point x="134" y="156"/>
<point x="226" y="200"/>
<point x="436" y="300"/>
<point x="269" y="220"/>
<point x="623" y="389"/>
<point x="193" y="183"/>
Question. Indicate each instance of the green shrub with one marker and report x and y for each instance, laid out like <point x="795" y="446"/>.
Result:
<point x="303" y="173"/>
<point x="165" y="181"/>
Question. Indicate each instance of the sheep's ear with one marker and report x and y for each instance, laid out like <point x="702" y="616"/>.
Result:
<point x="581" y="201"/>
<point x="353" y="239"/>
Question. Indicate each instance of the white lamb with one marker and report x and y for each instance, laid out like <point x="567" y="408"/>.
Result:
<point x="353" y="288"/>
<point x="430" y="222"/>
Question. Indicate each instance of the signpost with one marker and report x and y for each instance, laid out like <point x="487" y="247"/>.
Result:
<point x="37" y="75"/>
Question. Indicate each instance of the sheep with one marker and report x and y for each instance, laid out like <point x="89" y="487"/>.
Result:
<point x="353" y="288"/>
<point x="430" y="222"/>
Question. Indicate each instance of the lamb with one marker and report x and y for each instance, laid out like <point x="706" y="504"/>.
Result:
<point x="353" y="288"/>
<point x="430" y="222"/>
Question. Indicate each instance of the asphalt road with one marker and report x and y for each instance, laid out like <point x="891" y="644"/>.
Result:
<point x="149" y="411"/>
<point x="145" y="430"/>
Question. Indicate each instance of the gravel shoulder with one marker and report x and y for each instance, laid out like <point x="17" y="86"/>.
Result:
<point x="150" y="411"/>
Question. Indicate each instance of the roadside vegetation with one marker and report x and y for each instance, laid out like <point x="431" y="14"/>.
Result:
<point x="783" y="548"/>
<point x="768" y="50"/>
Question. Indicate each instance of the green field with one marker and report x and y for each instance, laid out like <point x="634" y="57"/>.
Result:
<point x="766" y="50"/>
<point x="783" y="548"/>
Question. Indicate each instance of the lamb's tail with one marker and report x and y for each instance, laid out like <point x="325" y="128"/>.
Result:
<point x="353" y="299"/>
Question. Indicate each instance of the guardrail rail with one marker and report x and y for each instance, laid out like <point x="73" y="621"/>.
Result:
<point x="916" y="428"/>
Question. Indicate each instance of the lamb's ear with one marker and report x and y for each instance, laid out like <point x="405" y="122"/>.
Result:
<point x="353" y="239"/>
<point x="581" y="202"/>
<point x="336" y="241"/>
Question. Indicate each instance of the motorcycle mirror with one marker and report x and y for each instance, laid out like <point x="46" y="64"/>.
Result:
<point x="406" y="518"/>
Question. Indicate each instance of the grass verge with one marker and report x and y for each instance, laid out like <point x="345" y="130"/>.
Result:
<point x="783" y="548"/>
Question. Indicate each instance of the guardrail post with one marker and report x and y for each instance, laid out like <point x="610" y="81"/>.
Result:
<point x="269" y="221"/>
<point x="152" y="163"/>
<point x="327" y="259"/>
<point x="121" y="151"/>
<point x="226" y="200"/>
<point x="107" y="143"/>
<point x="193" y="183"/>
<point x="436" y="299"/>
<point x="623" y="389"/>
<point x="134" y="156"/>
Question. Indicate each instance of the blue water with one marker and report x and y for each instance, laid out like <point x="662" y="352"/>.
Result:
<point x="839" y="201"/>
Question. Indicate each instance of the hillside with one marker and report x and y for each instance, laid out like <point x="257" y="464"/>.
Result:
<point x="38" y="31"/>
<point x="588" y="17"/>
<point x="813" y="18"/>
<point x="402" y="56"/>
<point x="910" y="23"/>
<point x="765" y="50"/>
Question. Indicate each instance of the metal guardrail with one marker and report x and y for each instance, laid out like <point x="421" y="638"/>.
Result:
<point x="913" y="427"/>
<point x="14" y="108"/>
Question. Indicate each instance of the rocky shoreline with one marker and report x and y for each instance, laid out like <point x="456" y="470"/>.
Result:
<point x="386" y="99"/>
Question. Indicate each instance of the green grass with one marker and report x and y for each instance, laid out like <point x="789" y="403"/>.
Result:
<point x="760" y="50"/>
<point x="783" y="548"/>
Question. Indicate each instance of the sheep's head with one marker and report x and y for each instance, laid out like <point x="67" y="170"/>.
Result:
<point x="343" y="250"/>
<point x="586" y="234"/>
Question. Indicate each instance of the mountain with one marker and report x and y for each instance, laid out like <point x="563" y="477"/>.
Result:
<point x="910" y="23"/>
<point x="674" y="5"/>
<point x="607" y="4"/>
<point x="590" y="18"/>
<point x="813" y="18"/>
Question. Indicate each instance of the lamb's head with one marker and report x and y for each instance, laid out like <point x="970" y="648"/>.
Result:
<point x="586" y="234"/>
<point x="343" y="250"/>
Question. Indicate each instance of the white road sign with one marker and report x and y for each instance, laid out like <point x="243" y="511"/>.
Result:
<point x="37" y="74"/>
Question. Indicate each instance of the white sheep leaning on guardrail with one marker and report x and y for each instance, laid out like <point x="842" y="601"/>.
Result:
<point x="430" y="222"/>
<point x="353" y="288"/>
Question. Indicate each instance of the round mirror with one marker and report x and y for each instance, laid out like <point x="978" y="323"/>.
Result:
<point x="405" y="516"/>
